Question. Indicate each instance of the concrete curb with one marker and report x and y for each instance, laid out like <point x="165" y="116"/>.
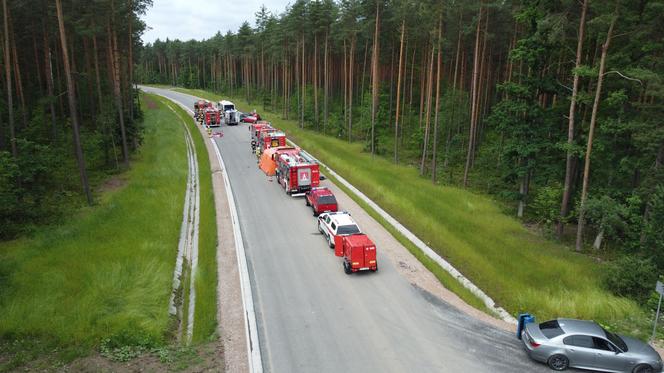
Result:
<point x="428" y="251"/>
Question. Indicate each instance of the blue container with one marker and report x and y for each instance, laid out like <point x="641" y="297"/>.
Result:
<point x="523" y="319"/>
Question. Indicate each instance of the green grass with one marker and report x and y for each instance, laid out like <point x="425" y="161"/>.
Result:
<point x="205" y="312"/>
<point x="520" y="270"/>
<point x="106" y="272"/>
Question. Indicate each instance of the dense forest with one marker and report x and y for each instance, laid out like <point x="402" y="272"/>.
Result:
<point x="68" y="110"/>
<point x="555" y="108"/>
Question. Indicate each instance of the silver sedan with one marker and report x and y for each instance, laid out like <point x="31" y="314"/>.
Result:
<point x="564" y="343"/>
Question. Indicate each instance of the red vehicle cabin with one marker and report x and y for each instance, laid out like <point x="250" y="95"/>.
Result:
<point x="272" y="140"/>
<point x="254" y="130"/>
<point x="212" y="117"/>
<point x="358" y="252"/>
<point x="321" y="200"/>
<point x="297" y="173"/>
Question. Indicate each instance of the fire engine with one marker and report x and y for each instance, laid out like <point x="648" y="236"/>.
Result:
<point x="321" y="200"/>
<point x="212" y="117"/>
<point x="271" y="139"/>
<point x="199" y="109"/>
<point x="297" y="173"/>
<point x="257" y="131"/>
<point x="268" y="162"/>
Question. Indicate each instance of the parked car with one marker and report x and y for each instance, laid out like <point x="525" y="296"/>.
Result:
<point x="332" y="224"/>
<point x="564" y="343"/>
<point x="252" y="117"/>
<point x="321" y="200"/>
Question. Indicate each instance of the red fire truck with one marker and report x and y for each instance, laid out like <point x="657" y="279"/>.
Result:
<point x="257" y="134"/>
<point x="199" y="109"/>
<point x="271" y="139"/>
<point x="358" y="252"/>
<point x="297" y="173"/>
<point x="212" y="117"/>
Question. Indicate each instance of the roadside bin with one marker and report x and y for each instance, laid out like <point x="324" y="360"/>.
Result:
<point x="524" y="318"/>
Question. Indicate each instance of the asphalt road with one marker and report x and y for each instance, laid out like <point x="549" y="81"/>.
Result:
<point x="313" y="317"/>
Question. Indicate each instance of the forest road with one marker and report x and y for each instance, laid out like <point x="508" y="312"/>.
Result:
<point x="313" y="317"/>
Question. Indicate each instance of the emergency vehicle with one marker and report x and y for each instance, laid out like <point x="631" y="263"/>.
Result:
<point x="358" y="253"/>
<point x="321" y="200"/>
<point x="271" y="139"/>
<point x="211" y="117"/>
<point x="336" y="224"/>
<point x="297" y="173"/>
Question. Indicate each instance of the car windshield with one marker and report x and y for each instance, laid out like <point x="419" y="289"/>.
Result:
<point x="327" y="200"/>
<point x="348" y="229"/>
<point x="551" y="329"/>
<point x="616" y="340"/>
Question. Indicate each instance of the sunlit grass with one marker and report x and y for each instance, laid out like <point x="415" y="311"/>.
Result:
<point x="107" y="271"/>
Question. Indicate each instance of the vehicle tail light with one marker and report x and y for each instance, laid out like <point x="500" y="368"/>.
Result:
<point x="533" y="343"/>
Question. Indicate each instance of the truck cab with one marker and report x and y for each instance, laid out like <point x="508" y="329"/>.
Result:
<point x="321" y="200"/>
<point x="230" y="114"/>
<point x="358" y="252"/>
<point x="336" y="224"/>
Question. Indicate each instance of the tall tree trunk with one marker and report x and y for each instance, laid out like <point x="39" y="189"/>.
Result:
<point x="591" y="133"/>
<point x="326" y="82"/>
<point x="72" y="105"/>
<point x="315" y="80"/>
<point x="427" y="118"/>
<point x="115" y="68"/>
<point x="304" y="86"/>
<point x="471" y="135"/>
<point x="567" y="191"/>
<point x="437" y="107"/>
<point x="130" y="62"/>
<point x="396" y="117"/>
<point x="8" y="82"/>
<point x="350" y="88"/>
<point x="18" y="79"/>
<point x="375" y="79"/>
<point x="48" y="73"/>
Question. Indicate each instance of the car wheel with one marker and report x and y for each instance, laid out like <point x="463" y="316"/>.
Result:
<point x="330" y="243"/>
<point x="347" y="268"/>
<point x="314" y="209"/>
<point x="306" y="201"/>
<point x="558" y="362"/>
<point x="319" y="228"/>
<point x="643" y="368"/>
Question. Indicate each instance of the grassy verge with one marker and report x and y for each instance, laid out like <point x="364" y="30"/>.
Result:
<point x="205" y="314"/>
<point x="522" y="271"/>
<point x="106" y="274"/>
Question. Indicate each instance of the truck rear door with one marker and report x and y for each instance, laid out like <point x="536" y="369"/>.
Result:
<point x="304" y="176"/>
<point x="369" y="256"/>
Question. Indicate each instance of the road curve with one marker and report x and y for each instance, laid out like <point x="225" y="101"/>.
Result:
<point x="313" y="317"/>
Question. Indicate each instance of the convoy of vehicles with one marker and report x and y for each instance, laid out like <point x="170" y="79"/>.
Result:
<point x="560" y="343"/>
<point x="297" y="173"/>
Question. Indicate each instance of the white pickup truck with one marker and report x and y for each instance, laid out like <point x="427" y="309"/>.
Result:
<point x="331" y="224"/>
